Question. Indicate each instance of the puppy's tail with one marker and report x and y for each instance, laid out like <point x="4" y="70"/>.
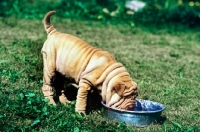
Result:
<point x="47" y="24"/>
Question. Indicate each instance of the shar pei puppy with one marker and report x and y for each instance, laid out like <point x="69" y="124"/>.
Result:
<point x="88" y="67"/>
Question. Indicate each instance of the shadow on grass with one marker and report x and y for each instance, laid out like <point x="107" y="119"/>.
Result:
<point x="61" y="83"/>
<point x="162" y="119"/>
<point x="93" y="99"/>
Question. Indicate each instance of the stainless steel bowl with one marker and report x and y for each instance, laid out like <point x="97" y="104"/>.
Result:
<point x="145" y="113"/>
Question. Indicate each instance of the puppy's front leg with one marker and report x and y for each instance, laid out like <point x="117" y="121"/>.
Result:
<point x="81" y="100"/>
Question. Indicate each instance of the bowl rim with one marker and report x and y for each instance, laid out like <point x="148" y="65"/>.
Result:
<point x="135" y="112"/>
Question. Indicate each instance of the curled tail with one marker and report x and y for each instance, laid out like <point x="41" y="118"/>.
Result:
<point x="47" y="24"/>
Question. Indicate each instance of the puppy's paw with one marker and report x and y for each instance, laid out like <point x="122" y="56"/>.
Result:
<point x="82" y="113"/>
<point x="63" y="99"/>
<point x="50" y="100"/>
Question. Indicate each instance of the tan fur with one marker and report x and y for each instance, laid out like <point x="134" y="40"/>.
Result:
<point x="88" y="66"/>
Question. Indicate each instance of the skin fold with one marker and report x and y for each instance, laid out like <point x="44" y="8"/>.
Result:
<point x="88" y="66"/>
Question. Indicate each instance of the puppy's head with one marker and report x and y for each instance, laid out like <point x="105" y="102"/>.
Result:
<point x="123" y="94"/>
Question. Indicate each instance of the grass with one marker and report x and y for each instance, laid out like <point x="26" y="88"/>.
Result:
<point x="165" y="64"/>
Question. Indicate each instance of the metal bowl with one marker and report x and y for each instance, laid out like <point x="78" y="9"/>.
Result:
<point x="145" y="113"/>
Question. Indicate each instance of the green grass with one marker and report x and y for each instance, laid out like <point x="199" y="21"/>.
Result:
<point x="165" y="64"/>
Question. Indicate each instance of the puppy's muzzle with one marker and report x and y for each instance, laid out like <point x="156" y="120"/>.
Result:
<point x="126" y="103"/>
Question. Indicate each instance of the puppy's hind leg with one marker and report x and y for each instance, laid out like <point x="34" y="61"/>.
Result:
<point x="58" y="83"/>
<point x="49" y="72"/>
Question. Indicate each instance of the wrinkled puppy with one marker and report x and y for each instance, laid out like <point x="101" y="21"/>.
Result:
<point x="88" y="67"/>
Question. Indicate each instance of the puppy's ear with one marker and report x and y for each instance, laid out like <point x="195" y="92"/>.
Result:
<point x="119" y="88"/>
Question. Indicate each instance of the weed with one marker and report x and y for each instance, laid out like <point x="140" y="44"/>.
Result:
<point x="155" y="13"/>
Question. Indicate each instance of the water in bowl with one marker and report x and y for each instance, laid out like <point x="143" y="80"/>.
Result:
<point x="145" y="105"/>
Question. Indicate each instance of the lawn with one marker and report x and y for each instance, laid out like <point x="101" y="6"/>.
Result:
<point x="164" y="62"/>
